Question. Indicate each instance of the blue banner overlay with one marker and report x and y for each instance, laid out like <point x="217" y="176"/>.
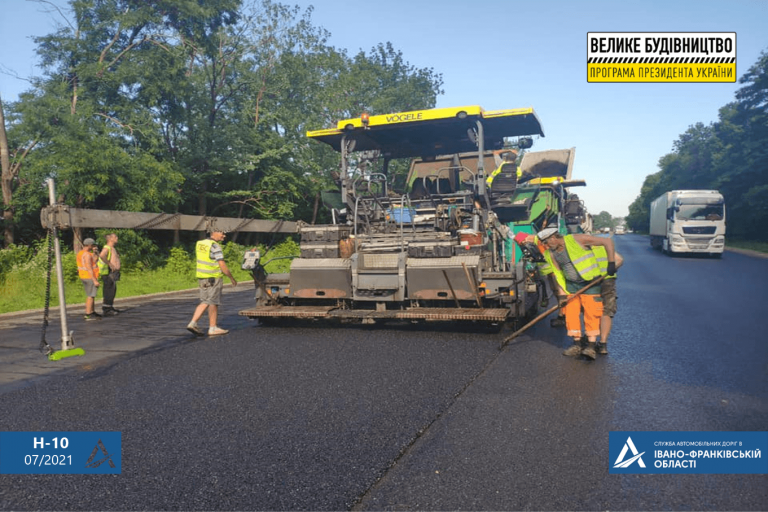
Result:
<point x="688" y="452"/>
<point x="60" y="453"/>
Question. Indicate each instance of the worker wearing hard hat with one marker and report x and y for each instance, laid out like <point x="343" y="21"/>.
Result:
<point x="574" y="265"/>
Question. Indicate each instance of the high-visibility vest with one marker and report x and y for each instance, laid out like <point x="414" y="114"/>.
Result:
<point x="545" y="267"/>
<point x="583" y="260"/>
<point x="83" y="267"/>
<point x="206" y="267"/>
<point x="489" y="179"/>
<point x="601" y="255"/>
<point x="104" y="267"/>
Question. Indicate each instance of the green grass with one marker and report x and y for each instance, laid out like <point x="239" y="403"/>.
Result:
<point x="25" y="289"/>
<point x="22" y="278"/>
<point x="751" y="245"/>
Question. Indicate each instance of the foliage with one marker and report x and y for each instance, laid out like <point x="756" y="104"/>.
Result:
<point x="195" y="106"/>
<point x="605" y="220"/>
<point x="12" y="257"/>
<point x="69" y="267"/>
<point x="283" y="250"/>
<point x="179" y="261"/>
<point x="730" y="155"/>
<point x="24" y="284"/>
<point x="137" y="251"/>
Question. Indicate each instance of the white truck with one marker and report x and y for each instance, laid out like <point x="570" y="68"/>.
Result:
<point x="688" y="221"/>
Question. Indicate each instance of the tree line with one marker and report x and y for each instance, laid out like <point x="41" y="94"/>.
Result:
<point x="192" y="106"/>
<point x="729" y="155"/>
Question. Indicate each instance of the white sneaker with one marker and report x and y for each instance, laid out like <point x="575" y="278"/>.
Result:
<point x="194" y="329"/>
<point x="216" y="331"/>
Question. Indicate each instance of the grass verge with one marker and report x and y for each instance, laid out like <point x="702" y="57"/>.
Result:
<point x="749" y="245"/>
<point x="23" y="290"/>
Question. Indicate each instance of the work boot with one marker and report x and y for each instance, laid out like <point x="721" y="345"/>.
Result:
<point x="589" y="351"/>
<point x="573" y="350"/>
<point x="557" y="322"/>
<point x="602" y="349"/>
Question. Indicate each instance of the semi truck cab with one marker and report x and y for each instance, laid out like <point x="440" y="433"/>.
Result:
<point x="689" y="221"/>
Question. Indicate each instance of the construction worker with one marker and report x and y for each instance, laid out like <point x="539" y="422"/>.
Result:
<point x="507" y="158"/>
<point x="109" y="269"/>
<point x="211" y="269"/>
<point x="88" y="272"/>
<point x="607" y="288"/>
<point x="574" y="265"/>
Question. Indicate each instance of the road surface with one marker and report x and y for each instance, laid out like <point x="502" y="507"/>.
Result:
<point x="301" y="417"/>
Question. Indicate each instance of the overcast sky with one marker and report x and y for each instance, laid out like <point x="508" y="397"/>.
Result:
<point x="503" y="54"/>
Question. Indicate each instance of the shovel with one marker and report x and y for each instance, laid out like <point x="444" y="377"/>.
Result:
<point x="547" y="312"/>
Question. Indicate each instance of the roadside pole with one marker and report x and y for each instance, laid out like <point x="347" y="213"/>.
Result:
<point x="66" y="336"/>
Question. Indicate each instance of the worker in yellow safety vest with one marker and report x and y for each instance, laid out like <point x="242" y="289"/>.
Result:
<point x="574" y="264"/>
<point x="607" y="287"/>
<point x="109" y="270"/>
<point x="211" y="269"/>
<point x="508" y="158"/>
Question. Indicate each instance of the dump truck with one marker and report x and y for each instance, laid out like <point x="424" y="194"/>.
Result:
<point x="439" y="250"/>
<point x="688" y="221"/>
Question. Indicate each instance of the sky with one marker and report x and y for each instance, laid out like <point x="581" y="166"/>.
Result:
<point x="504" y="54"/>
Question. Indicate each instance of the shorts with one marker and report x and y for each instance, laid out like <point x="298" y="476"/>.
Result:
<point x="210" y="290"/>
<point x="91" y="290"/>
<point x="608" y="293"/>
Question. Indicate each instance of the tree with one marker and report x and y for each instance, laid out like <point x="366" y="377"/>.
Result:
<point x="197" y="106"/>
<point x="603" y="220"/>
<point x="9" y="173"/>
<point x="730" y="155"/>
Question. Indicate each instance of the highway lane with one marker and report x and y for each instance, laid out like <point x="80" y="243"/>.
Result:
<point x="687" y="354"/>
<point x="290" y="418"/>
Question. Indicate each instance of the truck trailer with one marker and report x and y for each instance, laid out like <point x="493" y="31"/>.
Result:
<point x="688" y="221"/>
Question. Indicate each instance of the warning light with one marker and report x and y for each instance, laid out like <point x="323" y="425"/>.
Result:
<point x="365" y="118"/>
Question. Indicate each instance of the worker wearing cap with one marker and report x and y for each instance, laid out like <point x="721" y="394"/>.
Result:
<point x="211" y="269"/>
<point x="607" y="288"/>
<point x="574" y="265"/>
<point x="88" y="272"/>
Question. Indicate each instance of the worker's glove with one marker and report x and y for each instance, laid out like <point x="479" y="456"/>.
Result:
<point x="562" y="300"/>
<point x="611" y="268"/>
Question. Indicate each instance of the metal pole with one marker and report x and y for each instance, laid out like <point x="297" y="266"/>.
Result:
<point x="66" y="336"/>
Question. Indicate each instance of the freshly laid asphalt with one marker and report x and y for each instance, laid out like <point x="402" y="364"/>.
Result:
<point x="305" y="417"/>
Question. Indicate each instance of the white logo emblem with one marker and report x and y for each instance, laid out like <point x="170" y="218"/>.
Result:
<point x="621" y="463"/>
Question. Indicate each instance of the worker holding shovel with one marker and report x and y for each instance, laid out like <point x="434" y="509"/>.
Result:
<point x="578" y="275"/>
